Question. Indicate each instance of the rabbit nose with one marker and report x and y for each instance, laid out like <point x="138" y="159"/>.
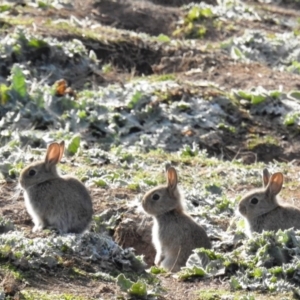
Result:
<point x="242" y="209"/>
<point x="21" y="183"/>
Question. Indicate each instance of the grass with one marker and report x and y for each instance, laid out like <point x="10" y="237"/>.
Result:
<point x="254" y="140"/>
<point x="218" y="294"/>
<point x="8" y="268"/>
<point x="101" y="33"/>
<point x="227" y="128"/>
<point x="38" y="295"/>
<point x="158" y="78"/>
<point x="23" y="21"/>
<point x="137" y="171"/>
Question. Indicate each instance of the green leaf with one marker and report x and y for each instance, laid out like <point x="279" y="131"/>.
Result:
<point x="163" y="38"/>
<point x="276" y="270"/>
<point x="81" y="114"/>
<point x="236" y="53"/>
<point x="74" y="145"/>
<point x="193" y="14"/>
<point x="187" y="151"/>
<point x="18" y="81"/>
<point x="201" y="31"/>
<point x="138" y="289"/>
<point x="186" y="273"/>
<point x="294" y="67"/>
<point x="124" y="283"/>
<point x="42" y="4"/>
<point x="210" y="253"/>
<point x="234" y="283"/>
<point x="183" y="105"/>
<point x="133" y="186"/>
<point x="244" y="95"/>
<point x="156" y="270"/>
<point x="17" y="49"/>
<point x="196" y="13"/>
<point x="4" y="96"/>
<point x="256" y="99"/>
<point x="150" y="182"/>
<point x="290" y="119"/>
<point x="35" y="43"/>
<point x="257" y="272"/>
<point x="283" y="237"/>
<point x="135" y="99"/>
<point x="5" y="7"/>
<point x="100" y="182"/>
<point x="275" y="94"/>
<point x="206" y="12"/>
<point x="106" y="68"/>
<point x="294" y="94"/>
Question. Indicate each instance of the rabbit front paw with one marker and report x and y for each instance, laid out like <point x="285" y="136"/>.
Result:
<point x="37" y="228"/>
<point x="158" y="259"/>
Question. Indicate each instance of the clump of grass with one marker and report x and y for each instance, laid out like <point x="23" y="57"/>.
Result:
<point x="254" y="140"/>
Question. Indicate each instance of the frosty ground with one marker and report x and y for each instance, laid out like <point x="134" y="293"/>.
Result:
<point x="211" y="87"/>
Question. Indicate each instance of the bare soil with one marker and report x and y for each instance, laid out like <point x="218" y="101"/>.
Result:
<point x="132" y="231"/>
<point x="136" y="56"/>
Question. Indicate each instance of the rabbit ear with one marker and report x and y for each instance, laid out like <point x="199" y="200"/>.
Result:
<point x="53" y="155"/>
<point x="275" y="184"/>
<point x="172" y="178"/>
<point x="167" y="166"/>
<point x="266" y="177"/>
<point x="62" y="150"/>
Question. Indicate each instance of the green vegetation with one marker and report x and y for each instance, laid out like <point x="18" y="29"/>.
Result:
<point x="37" y="295"/>
<point x="255" y="140"/>
<point x="132" y="102"/>
<point x="13" y="271"/>
<point x="218" y="294"/>
<point x="258" y="262"/>
<point x="193" y="26"/>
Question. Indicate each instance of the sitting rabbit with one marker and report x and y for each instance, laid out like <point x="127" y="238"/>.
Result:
<point x="174" y="234"/>
<point x="262" y="209"/>
<point x="60" y="202"/>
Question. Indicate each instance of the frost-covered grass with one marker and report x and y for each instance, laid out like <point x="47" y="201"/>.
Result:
<point x="278" y="50"/>
<point x="266" y="262"/>
<point x="121" y="136"/>
<point x="49" y="252"/>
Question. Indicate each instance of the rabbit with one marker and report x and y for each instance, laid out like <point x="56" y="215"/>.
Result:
<point x="262" y="209"/>
<point x="54" y="201"/>
<point x="174" y="233"/>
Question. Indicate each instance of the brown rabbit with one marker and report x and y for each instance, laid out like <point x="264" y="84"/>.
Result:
<point x="174" y="234"/>
<point x="60" y="202"/>
<point x="262" y="209"/>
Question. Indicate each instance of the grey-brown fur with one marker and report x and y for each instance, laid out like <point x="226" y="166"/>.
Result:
<point x="175" y="234"/>
<point x="55" y="201"/>
<point x="268" y="213"/>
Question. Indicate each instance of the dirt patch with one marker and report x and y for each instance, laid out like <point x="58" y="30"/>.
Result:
<point x="180" y="2"/>
<point x="12" y="204"/>
<point x="284" y="5"/>
<point x="190" y="64"/>
<point x="139" y="16"/>
<point x="134" y="231"/>
<point x="54" y="282"/>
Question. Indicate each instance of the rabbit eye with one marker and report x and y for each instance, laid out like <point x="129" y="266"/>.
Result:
<point x="31" y="172"/>
<point x="155" y="197"/>
<point x="254" y="201"/>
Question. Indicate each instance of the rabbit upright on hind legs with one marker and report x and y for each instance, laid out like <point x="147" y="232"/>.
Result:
<point x="54" y="201"/>
<point x="263" y="210"/>
<point x="174" y="234"/>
